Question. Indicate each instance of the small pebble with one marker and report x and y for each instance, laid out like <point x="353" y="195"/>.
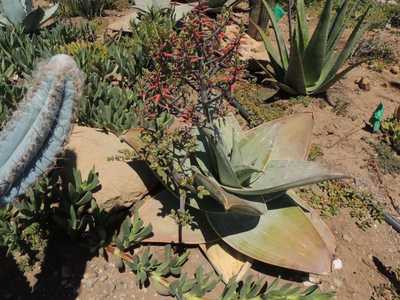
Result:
<point x="394" y="70"/>
<point x="347" y="238"/>
<point x="337" y="264"/>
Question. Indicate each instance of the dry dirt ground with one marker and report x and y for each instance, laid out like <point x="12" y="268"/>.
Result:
<point x="71" y="273"/>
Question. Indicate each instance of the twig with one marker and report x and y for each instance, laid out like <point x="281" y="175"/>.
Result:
<point x="347" y="135"/>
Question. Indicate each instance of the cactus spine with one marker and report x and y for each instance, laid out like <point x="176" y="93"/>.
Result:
<point x="37" y="131"/>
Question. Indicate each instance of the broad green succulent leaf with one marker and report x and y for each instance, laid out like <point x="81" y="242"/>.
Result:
<point x="284" y="236"/>
<point x="229" y="202"/>
<point x="49" y="13"/>
<point x="294" y="137"/>
<point x="283" y="166"/>
<point x="281" y="175"/>
<point x="13" y="10"/>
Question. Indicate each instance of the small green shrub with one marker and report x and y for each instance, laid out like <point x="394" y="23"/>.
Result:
<point x="331" y="197"/>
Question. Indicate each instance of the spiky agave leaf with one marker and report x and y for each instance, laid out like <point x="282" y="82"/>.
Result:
<point x="37" y="131"/>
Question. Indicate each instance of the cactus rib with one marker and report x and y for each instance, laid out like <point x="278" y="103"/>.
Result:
<point x="37" y="131"/>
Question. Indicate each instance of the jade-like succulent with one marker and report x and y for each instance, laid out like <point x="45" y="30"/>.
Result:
<point x="21" y="12"/>
<point x="38" y="129"/>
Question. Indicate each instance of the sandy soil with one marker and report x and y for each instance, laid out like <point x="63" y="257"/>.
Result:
<point x="71" y="273"/>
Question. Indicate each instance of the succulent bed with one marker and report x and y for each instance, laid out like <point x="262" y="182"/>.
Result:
<point x="168" y="88"/>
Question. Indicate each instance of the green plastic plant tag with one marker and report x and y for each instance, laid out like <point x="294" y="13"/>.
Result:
<point x="377" y="117"/>
<point x="279" y="12"/>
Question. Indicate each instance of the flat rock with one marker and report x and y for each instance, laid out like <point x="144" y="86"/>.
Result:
<point x="155" y="210"/>
<point x="123" y="23"/>
<point x="122" y="184"/>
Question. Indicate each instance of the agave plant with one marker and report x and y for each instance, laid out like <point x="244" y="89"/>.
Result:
<point x="37" y="131"/>
<point x="180" y="10"/>
<point x="21" y="12"/>
<point x="250" y="176"/>
<point x="312" y="64"/>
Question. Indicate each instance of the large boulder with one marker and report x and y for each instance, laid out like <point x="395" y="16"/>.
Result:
<point x="122" y="183"/>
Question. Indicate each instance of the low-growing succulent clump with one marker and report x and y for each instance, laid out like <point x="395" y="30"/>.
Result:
<point x="330" y="197"/>
<point x="387" y="159"/>
<point x="391" y="131"/>
<point x="253" y="99"/>
<point x="315" y="152"/>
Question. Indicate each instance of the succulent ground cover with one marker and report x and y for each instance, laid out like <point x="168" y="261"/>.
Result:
<point x="180" y="95"/>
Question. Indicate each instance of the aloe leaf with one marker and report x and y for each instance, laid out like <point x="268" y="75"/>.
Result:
<point x="49" y="13"/>
<point x="225" y="171"/>
<point x="236" y="153"/>
<point x="302" y="26"/>
<point x="286" y="88"/>
<point x="315" y="53"/>
<point x="182" y="10"/>
<point x="331" y="69"/>
<point x="282" y="175"/>
<point x="4" y="21"/>
<point x="37" y="131"/>
<point x="228" y="201"/>
<point x="283" y="236"/>
<point x="146" y="5"/>
<point x="13" y="10"/>
<point x="244" y="174"/>
<point x="261" y="137"/>
<point x="295" y="76"/>
<point x="338" y="25"/>
<point x="283" y="53"/>
<point x="293" y="138"/>
<point x="337" y="77"/>
<point x="275" y="59"/>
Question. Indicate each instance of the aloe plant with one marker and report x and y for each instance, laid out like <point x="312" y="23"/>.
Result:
<point x="251" y="205"/>
<point x="180" y="10"/>
<point x="251" y="173"/>
<point x="21" y="12"/>
<point x="312" y="64"/>
<point x="37" y="131"/>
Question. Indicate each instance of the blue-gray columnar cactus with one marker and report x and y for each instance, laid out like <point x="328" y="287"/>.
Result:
<point x="37" y="131"/>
